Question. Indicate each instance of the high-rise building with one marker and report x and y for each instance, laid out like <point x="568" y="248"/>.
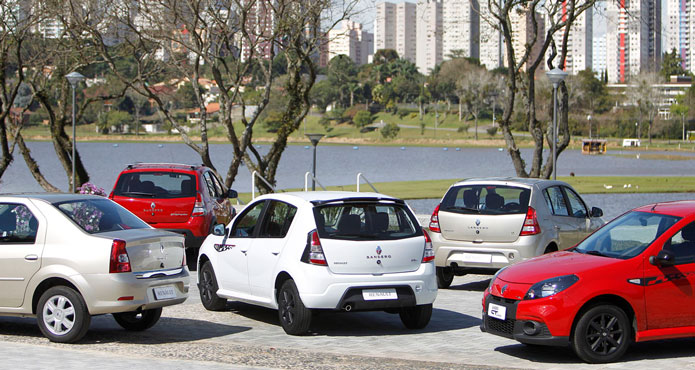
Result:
<point x="677" y="30"/>
<point x="523" y="34"/>
<point x="627" y="38"/>
<point x="579" y="42"/>
<point x="395" y="28"/>
<point x="259" y="25"/>
<point x="461" y="26"/>
<point x="490" y="39"/>
<point x="599" y="53"/>
<point x="351" y="40"/>
<point x="429" y="35"/>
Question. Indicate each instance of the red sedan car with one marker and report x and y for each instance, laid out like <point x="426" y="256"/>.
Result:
<point x="632" y="280"/>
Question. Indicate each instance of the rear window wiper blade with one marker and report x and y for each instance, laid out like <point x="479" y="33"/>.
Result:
<point x="137" y="193"/>
<point x="459" y="208"/>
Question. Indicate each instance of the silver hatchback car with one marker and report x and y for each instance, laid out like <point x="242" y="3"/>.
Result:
<point x="489" y="223"/>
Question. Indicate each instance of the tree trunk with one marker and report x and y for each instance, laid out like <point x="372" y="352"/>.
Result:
<point x="460" y="111"/>
<point x="34" y="167"/>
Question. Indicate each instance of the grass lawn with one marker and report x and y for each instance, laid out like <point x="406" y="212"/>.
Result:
<point x="584" y="185"/>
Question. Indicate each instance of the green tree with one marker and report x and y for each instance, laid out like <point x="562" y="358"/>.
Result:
<point x="672" y="65"/>
<point x="323" y="93"/>
<point x="186" y="96"/>
<point x="342" y="72"/>
<point x="117" y="119"/>
<point x="681" y="109"/>
<point x="363" y="118"/>
<point x="390" y="131"/>
<point x="384" y="56"/>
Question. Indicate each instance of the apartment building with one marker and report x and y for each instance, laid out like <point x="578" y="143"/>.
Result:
<point x="350" y="39"/>
<point x="395" y="27"/>
<point x="461" y="28"/>
<point x="429" y="36"/>
<point x="628" y="46"/>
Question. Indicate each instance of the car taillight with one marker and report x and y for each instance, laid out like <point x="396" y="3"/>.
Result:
<point x="119" y="257"/>
<point x="316" y="255"/>
<point x="111" y="195"/>
<point x="531" y="226"/>
<point x="198" y="207"/>
<point x="434" y="221"/>
<point x="429" y="252"/>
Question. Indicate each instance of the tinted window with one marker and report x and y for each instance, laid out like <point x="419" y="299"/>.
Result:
<point x="210" y="185"/>
<point x="576" y="204"/>
<point x="100" y="215"/>
<point x="247" y="221"/>
<point x="218" y="185"/>
<point x="155" y="185"/>
<point x="682" y="245"/>
<point x="486" y="199"/>
<point x="17" y="224"/>
<point x="366" y="221"/>
<point x="628" y="235"/>
<point x="556" y="199"/>
<point x="278" y="219"/>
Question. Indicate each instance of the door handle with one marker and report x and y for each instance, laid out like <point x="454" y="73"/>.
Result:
<point x="31" y="257"/>
<point x="243" y="251"/>
<point x="275" y="253"/>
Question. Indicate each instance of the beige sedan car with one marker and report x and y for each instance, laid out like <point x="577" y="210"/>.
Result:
<point x="66" y="257"/>
<point x="485" y="224"/>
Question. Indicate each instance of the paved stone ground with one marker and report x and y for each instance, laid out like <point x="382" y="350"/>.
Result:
<point x="248" y="336"/>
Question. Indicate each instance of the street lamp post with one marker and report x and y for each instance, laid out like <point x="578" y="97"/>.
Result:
<point x="314" y="141"/>
<point x="73" y="78"/>
<point x="588" y="118"/>
<point x="556" y="76"/>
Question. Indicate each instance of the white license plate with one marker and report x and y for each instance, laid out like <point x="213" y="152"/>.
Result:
<point x="497" y="311"/>
<point x="164" y="292"/>
<point x="379" y="294"/>
<point x="477" y="257"/>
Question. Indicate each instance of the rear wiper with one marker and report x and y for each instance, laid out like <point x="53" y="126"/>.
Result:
<point x="137" y="193"/>
<point x="459" y="208"/>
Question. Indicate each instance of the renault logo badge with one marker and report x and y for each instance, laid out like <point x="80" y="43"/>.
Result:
<point x="477" y="220"/>
<point x="152" y="205"/>
<point x="504" y="289"/>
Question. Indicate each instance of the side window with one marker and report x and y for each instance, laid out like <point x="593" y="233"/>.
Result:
<point x="576" y="203"/>
<point x="247" y="222"/>
<point x="17" y="224"/>
<point x="218" y="185"/>
<point x="682" y="245"/>
<point x="278" y="219"/>
<point x="554" y="196"/>
<point x="210" y="185"/>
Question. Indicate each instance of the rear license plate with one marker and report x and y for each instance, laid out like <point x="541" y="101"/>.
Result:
<point x="497" y="311"/>
<point x="164" y="292"/>
<point x="477" y="257"/>
<point x="379" y="294"/>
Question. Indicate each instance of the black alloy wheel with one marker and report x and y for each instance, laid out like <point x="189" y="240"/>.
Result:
<point x="603" y="334"/>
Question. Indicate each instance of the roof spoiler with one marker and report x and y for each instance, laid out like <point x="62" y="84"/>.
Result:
<point x="356" y="200"/>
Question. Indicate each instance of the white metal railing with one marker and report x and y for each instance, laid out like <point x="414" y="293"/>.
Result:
<point x="306" y="181"/>
<point x="360" y="175"/>
<point x="255" y="174"/>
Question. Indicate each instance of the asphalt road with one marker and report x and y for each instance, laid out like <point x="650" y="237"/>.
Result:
<point x="245" y="336"/>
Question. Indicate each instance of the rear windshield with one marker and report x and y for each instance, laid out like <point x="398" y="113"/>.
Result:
<point x="486" y="199"/>
<point x="366" y="221"/>
<point x="155" y="184"/>
<point x="100" y="215"/>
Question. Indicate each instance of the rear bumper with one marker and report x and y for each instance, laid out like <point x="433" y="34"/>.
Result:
<point x="111" y="293"/>
<point x="321" y="289"/>
<point x="484" y="255"/>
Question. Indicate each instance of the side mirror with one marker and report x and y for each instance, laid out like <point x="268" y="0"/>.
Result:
<point x="219" y="230"/>
<point x="596" y="212"/>
<point x="663" y="258"/>
<point x="232" y="194"/>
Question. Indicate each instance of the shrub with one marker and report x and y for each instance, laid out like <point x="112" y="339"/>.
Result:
<point x="491" y="131"/>
<point x="362" y="118"/>
<point x="390" y="131"/>
<point x="462" y="128"/>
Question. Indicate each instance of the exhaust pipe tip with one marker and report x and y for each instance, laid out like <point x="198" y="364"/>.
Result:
<point x="347" y="307"/>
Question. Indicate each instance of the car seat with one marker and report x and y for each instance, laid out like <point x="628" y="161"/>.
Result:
<point x="381" y="222"/>
<point x="349" y="224"/>
<point x="470" y="199"/>
<point x="494" y="201"/>
<point x="187" y="188"/>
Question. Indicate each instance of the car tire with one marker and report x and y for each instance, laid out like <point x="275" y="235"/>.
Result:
<point x="138" y="321"/>
<point x="295" y="318"/>
<point x="208" y="289"/>
<point x="445" y="276"/>
<point x="62" y="315"/>
<point x="416" y="317"/>
<point x="603" y="334"/>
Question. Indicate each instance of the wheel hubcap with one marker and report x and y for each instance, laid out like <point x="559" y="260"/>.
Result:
<point x="604" y="334"/>
<point x="59" y="315"/>
<point x="207" y="286"/>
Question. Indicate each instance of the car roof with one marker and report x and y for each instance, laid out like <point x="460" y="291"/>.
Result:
<point x="518" y="180"/>
<point x="317" y="197"/>
<point x="681" y="208"/>
<point x="164" y="166"/>
<point x="52" y="197"/>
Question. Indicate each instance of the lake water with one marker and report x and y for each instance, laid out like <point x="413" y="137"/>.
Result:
<point x="339" y="165"/>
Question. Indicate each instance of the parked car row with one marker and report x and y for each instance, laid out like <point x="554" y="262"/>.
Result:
<point x="562" y="277"/>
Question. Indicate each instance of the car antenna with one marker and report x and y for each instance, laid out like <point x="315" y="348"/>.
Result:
<point x="654" y="207"/>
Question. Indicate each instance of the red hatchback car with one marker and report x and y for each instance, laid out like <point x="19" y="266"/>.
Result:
<point x="185" y="199"/>
<point x="632" y="280"/>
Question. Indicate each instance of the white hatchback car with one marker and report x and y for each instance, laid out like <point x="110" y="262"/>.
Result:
<point x="298" y="252"/>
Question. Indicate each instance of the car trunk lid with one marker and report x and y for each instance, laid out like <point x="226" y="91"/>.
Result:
<point x="151" y="250"/>
<point x="480" y="228"/>
<point x="373" y="256"/>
